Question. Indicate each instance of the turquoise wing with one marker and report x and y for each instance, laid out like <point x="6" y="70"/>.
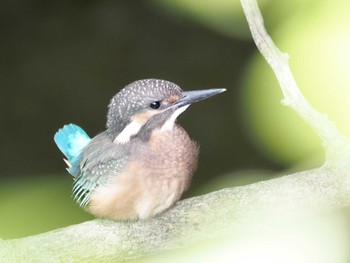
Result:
<point x="71" y="140"/>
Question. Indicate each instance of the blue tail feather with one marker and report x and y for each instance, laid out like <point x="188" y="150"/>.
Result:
<point x="71" y="140"/>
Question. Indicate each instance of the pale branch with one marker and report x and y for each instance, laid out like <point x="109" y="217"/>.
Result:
<point x="334" y="143"/>
<point x="213" y="215"/>
<point x="204" y="217"/>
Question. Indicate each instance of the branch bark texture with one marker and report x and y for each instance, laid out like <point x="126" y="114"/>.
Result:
<point x="204" y="217"/>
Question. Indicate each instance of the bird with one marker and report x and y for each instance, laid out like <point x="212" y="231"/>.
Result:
<point x="143" y="162"/>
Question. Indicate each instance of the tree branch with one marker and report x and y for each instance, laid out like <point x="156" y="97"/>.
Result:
<point x="335" y="144"/>
<point x="213" y="215"/>
<point x="204" y="217"/>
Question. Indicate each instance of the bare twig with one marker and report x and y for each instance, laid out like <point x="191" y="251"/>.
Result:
<point x="335" y="144"/>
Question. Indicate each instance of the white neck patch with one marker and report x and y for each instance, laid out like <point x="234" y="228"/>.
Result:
<point x="169" y="124"/>
<point x="131" y="129"/>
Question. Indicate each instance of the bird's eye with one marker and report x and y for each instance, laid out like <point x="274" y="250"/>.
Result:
<point x="155" y="105"/>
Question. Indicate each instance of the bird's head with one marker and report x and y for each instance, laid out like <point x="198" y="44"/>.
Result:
<point x="151" y="103"/>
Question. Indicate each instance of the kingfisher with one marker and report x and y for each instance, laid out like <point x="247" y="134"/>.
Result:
<point x="143" y="162"/>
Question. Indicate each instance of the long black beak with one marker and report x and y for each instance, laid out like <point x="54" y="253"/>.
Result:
<point x="189" y="97"/>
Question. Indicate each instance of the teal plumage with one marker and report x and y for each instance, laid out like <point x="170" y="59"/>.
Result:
<point x="88" y="161"/>
<point x="71" y="140"/>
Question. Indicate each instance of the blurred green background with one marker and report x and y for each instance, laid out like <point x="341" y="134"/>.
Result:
<point x="63" y="61"/>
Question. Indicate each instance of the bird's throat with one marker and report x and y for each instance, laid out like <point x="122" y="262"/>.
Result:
<point x="169" y="123"/>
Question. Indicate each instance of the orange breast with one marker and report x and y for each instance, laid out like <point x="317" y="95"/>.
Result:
<point x="158" y="173"/>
